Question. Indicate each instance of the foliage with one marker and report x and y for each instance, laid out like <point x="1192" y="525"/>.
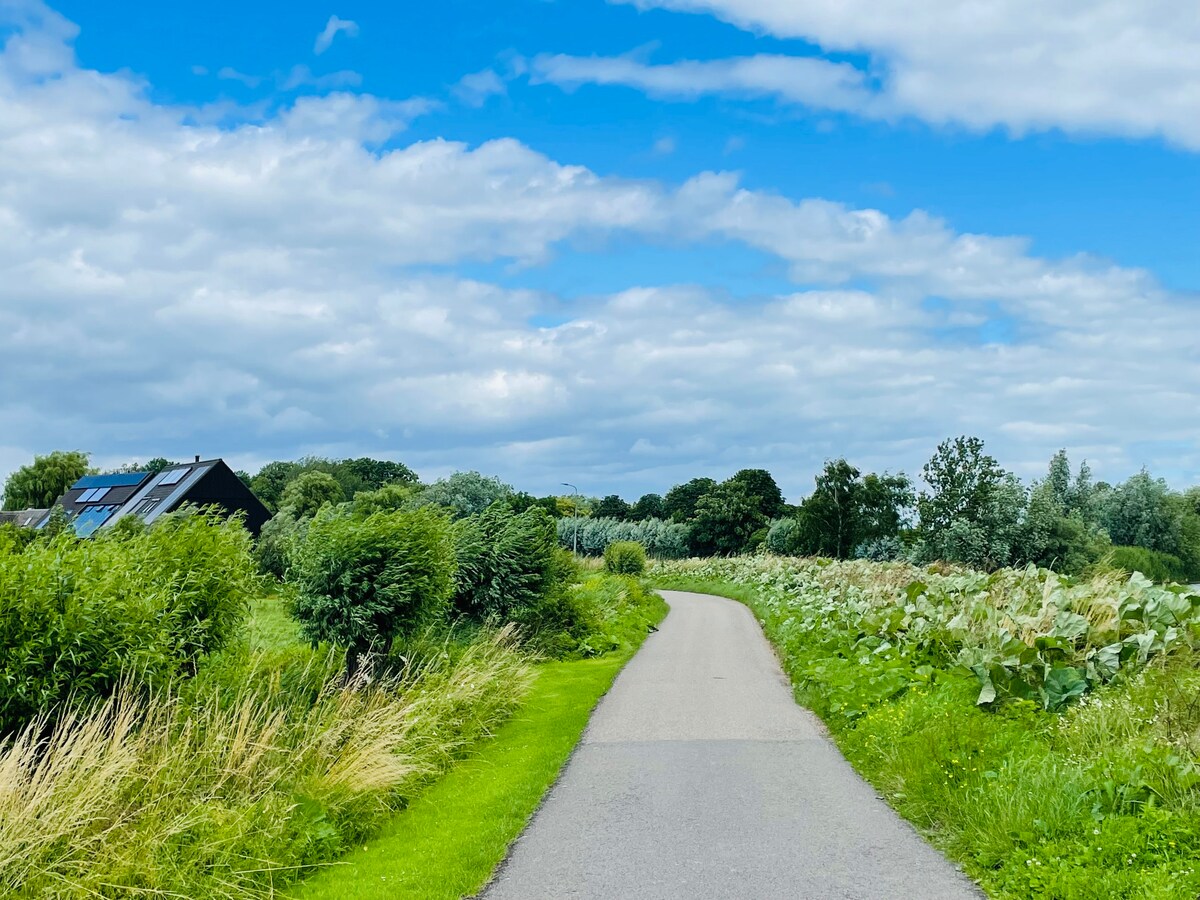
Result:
<point x="1156" y="566"/>
<point x="352" y="475"/>
<point x="680" y="502"/>
<point x="275" y="541"/>
<point x="1097" y="800"/>
<point x="625" y="558"/>
<point x="238" y="785"/>
<point x="388" y="498"/>
<point x="612" y="507"/>
<point x="308" y="492"/>
<point x="506" y="562"/>
<point x="39" y="484"/>
<point x="785" y="537"/>
<point x="465" y="493"/>
<point x="662" y="539"/>
<point x="649" y="506"/>
<point x="76" y="617"/>
<point x="726" y="519"/>
<point x="761" y="486"/>
<point x="363" y="582"/>
<point x="847" y="509"/>
<point x="1026" y="634"/>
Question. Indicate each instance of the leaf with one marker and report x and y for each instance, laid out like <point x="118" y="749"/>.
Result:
<point x="1063" y="685"/>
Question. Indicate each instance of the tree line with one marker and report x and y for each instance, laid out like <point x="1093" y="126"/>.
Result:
<point x="970" y="510"/>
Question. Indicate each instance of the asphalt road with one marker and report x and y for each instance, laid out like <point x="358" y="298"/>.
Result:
<point x="699" y="777"/>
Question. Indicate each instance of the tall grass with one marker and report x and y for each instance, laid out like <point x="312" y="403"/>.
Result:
<point x="233" y="786"/>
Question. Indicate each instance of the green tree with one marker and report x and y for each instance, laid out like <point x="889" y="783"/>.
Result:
<point x="760" y="484"/>
<point x="466" y="493"/>
<point x="680" y="502"/>
<point x="364" y="582"/>
<point x="1139" y="513"/>
<point x="973" y="509"/>
<point x="271" y="481"/>
<point x="309" y="492"/>
<point x="830" y="516"/>
<point x="611" y="507"/>
<point x="726" y="519"/>
<point x="649" y="506"/>
<point x="39" y="484"/>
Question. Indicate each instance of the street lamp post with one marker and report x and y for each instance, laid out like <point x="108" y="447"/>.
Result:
<point x="574" y="516"/>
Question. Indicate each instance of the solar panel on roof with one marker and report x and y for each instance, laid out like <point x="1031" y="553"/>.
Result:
<point x="88" y="495"/>
<point x="116" y="479"/>
<point x="174" y="476"/>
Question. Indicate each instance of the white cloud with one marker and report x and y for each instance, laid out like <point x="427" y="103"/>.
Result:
<point x="278" y="287"/>
<point x="475" y="89"/>
<point x="814" y="82"/>
<point x="227" y="73"/>
<point x="1108" y="67"/>
<point x="332" y="29"/>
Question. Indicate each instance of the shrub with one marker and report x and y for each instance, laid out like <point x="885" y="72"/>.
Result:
<point x="276" y="540"/>
<point x="507" y="562"/>
<point x="78" y="616"/>
<point x="1154" y="565"/>
<point x="309" y="492"/>
<point x="625" y="558"/>
<point x="363" y="582"/>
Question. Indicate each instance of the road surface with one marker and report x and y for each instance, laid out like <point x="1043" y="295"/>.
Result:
<point x="699" y="777"/>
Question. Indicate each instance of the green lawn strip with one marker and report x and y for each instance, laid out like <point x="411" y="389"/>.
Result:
<point x="448" y="843"/>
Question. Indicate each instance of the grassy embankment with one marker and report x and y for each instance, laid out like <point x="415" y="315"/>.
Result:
<point x="450" y="840"/>
<point x="259" y="768"/>
<point x="1099" y="798"/>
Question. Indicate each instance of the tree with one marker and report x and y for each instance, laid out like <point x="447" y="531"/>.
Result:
<point x="611" y="507"/>
<point x="847" y="510"/>
<point x="829" y="518"/>
<point x="309" y="492"/>
<point x="364" y="582"/>
<point x="962" y="479"/>
<point x="39" y="484"/>
<point x="726" y="519"/>
<point x="1139" y="513"/>
<point x="366" y="474"/>
<point x="269" y="484"/>
<point x="760" y="484"/>
<point x="466" y="493"/>
<point x="972" y="512"/>
<point x="649" y="506"/>
<point x="681" y="500"/>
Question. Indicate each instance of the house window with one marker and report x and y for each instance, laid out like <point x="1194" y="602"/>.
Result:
<point x="145" y="507"/>
<point x="174" y="476"/>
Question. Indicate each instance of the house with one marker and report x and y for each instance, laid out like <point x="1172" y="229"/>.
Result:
<point x="95" y="501"/>
<point x="23" y="518"/>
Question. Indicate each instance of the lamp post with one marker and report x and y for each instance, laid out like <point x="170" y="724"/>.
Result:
<point x="574" y="516"/>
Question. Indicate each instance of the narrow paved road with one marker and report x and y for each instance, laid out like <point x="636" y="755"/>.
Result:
<point x="699" y="777"/>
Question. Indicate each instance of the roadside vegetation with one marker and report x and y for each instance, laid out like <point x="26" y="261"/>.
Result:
<point x="175" y="722"/>
<point x="1043" y="730"/>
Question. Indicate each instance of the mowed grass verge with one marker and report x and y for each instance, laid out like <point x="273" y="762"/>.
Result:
<point x="448" y="843"/>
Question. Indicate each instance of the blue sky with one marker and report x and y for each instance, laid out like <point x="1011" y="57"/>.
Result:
<point x="625" y="242"/>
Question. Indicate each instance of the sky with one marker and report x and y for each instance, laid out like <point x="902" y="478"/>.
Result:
<point x="617" y="244"/>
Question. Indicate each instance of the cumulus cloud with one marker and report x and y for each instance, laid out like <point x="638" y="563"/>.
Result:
<point x="1110" y="67"/>
<point x="285" y="286"/>
<point x="332" y="29"/>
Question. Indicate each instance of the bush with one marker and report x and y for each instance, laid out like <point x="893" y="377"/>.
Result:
<point x="1154" y="565"/>
<point x="506" y="562"/>
<point x="363" y="582"/>
<point x="276" y="540"/>
<point x="625" y="558"/>
<point x="77" y="617"/>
